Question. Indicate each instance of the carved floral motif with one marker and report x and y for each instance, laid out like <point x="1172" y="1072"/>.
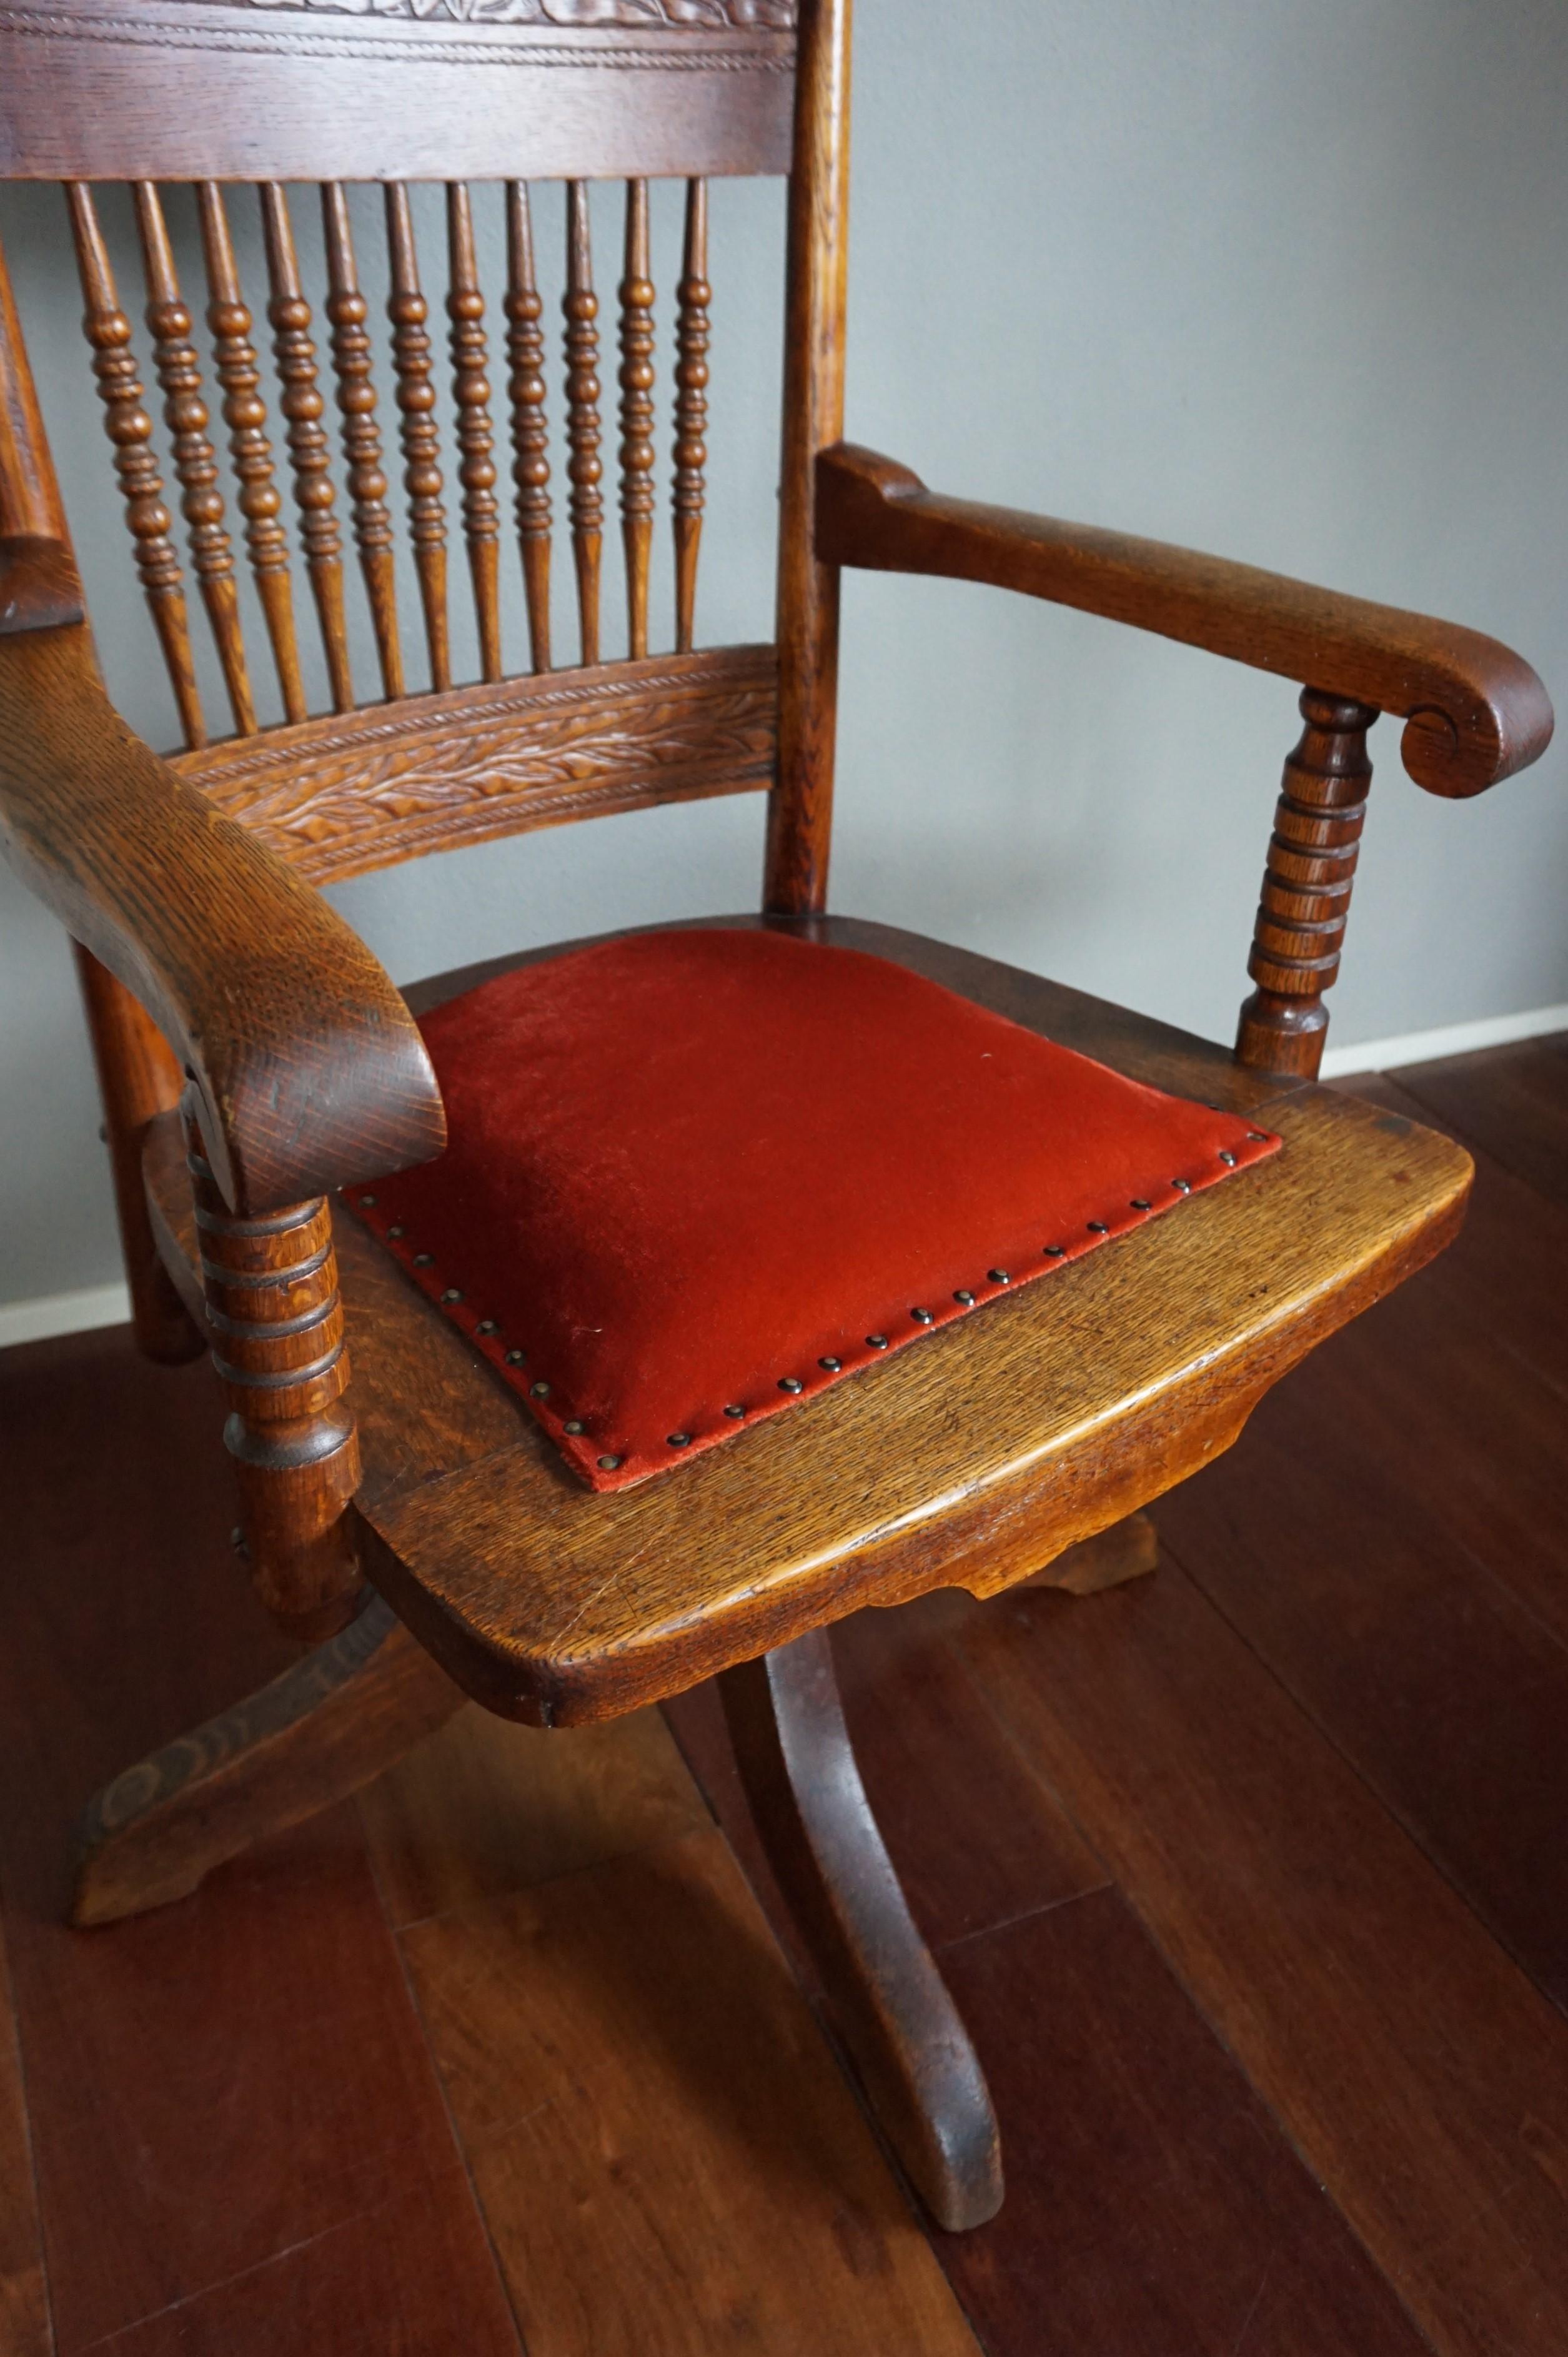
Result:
<point x="675" y="15"/>
<point x="337" y="796"/>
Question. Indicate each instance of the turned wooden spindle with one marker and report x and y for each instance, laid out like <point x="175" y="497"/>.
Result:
<point x="636" y="454"/>
<point x="583" y="469"/>
<point x="271" y="1289"/>
<point x="471" y="395"/>
<point x="195" y="459"/>
<point x="1300" y="927"/>
<point x="251" y="451"/>
<point x="347" y="311"/>
<point x="130" y="430"/>
<point x="310" y="454"/>
<point x="690" y="453"/>
<point x="529" y="435"/>
<point x="408" y="311"/>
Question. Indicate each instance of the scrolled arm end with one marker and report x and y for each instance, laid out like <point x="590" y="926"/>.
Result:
<point x="307" y="1069"/>
<point x="1474" y="741"/>
<point x="1474" y="711"/>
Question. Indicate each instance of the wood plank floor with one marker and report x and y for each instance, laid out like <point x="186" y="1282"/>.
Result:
<point x="1248" y="1878"/>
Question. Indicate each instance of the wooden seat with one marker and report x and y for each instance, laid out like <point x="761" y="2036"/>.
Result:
<point x="969" y="1461"/>
<point x="398" y="1509"/>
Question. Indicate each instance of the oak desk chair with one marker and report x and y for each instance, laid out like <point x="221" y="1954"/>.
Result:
<point x="415" y="1524"/>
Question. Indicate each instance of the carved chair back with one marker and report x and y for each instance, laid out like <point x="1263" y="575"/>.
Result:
<point x="241" y="99"/>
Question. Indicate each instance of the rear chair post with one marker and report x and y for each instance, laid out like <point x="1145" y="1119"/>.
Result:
<point x="137" y="1075"/>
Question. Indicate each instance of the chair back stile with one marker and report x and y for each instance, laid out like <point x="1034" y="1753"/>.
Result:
<point x="229" y="96"/>
<point x="260" y="103"/>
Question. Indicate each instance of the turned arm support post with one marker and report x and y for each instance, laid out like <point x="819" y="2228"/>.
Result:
<point x="304" y="1069"/>
<point x="1474" y="712"/>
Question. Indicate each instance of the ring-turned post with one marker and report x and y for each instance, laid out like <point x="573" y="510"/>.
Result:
<point x="1300" y="927"/>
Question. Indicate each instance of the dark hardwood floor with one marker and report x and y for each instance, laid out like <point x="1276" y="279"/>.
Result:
<point x="1248" y="1877"/>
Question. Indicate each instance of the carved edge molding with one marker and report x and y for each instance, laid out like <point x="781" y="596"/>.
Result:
<point x="336" y="798"/>
<point x="329" y="28"/>
<point x="665" y="16"/>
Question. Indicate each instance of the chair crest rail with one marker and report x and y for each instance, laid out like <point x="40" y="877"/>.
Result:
<point x="296" y="90"/>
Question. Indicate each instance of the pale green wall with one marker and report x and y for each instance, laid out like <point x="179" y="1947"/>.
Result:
<point x="1286" y="281"/>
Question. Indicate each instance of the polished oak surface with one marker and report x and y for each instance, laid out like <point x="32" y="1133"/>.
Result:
<point x="1275" y="2065"/>
<point x="971" y="1460"/>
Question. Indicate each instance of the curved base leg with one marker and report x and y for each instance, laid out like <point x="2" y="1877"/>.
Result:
<point x="887" y="2000"/>
<point x="328" y="1725"/>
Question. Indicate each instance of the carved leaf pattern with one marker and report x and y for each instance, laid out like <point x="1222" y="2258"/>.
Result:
<point x="338" y="797"/>
<point x="673" y="15"/>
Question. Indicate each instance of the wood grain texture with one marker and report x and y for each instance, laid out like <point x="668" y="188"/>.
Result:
<point x="272" y="1305"/>
<point x="1077" y="1403"/>
<point x="137" y="1079"/>
<point x="317" y="1733"/>
<point x="883" y="1994"/>
<point x="1154" y="2203"/>
<point x="1431" y="1672"/>
<point x="413" y="2277"/>
<point x="669" y="2159"/>
<point x="1517" y="1300"/>
<point x="672" y="15"/>
<point x="975" y="1838"/>
<point x="690" y="453"/>
<point x="239" y="371"/>
<point x="585" y="470"/>
<point x="1299" y="929"/>
<point x="529" y="434"/>
<point x="1424" y="1624"/>
<point x="420" y="435"/>
<point x="336" y="798"/>
<point x="970" y="1461"/>
<point x="303" y="406"/>
<point x="274" y="93"/>
<point x="1511" y="1102"/>
<point x="129" y="431"/>
<point x="214" y="2084"/>
<point x="1431" y="2104"/>
<point x="486" y="1807"/>
<point x="25" y="2327"/>
<point x="636" y="379"/>
<point x="30" y="506"/>
<point x="348" y="312"/>
<point x="799" y="818"/>
<point x="476" y="435"/>
<point x="195" y="460"/>
<point x="96" y="824"/>
<point x="1128" y="1550"/>
<point x="1474" y="711"/>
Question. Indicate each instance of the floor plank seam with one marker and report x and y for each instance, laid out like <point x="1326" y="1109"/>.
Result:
<point x="1216" y="2030"/>
<point x="29" y="2141"/>
<point x="1498" y="1934"/>
<point x="417" y="2012"/>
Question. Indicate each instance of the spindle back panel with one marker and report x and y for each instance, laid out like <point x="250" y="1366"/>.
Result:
<point x="271" y="430"/>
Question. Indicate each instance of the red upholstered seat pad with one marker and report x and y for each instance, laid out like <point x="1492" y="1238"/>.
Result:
<point x="695" y="1177"/>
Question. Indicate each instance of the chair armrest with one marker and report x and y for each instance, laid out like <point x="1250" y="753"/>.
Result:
<point x="309" y="1067"/>
<point x="1474" y="712"/>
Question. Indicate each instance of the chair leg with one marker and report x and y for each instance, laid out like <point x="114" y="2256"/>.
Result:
<point x="887" y="1998"/>
<point x="340" y="1716"/>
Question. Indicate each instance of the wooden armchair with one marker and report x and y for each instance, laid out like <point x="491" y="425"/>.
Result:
<point x="410" y="1521"/>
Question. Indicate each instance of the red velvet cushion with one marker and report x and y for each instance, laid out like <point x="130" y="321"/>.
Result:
<point x="696" y="1175"/>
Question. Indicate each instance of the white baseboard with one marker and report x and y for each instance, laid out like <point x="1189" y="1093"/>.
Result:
<point x="63" y="1313"/>
<point x="1452" y="1040"/>
<point x="110" y="1305"/>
